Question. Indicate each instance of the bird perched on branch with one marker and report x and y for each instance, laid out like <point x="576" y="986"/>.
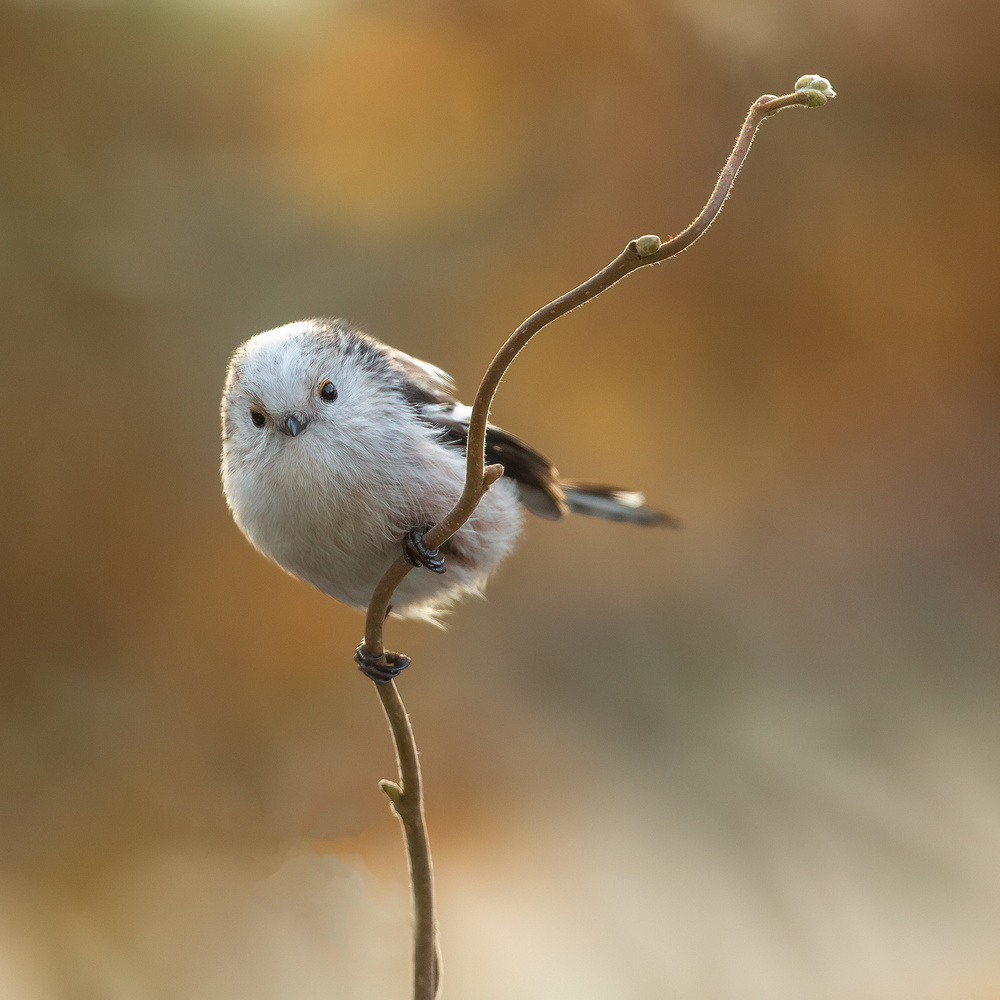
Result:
<point x="338" y="452"/>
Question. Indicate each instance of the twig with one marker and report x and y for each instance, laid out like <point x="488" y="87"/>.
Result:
<point x="810" y="91"/>
<point x="639" y="253"/>
<point x="408" y="804"/>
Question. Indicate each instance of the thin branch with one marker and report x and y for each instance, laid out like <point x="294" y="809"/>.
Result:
<point x="408" y="804"/>
<point x="639" y="253"/>
<point x="407" y="796"/>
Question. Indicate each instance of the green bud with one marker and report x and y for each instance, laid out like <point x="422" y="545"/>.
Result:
<point x="811" y="81"/>
<point x="646" y="246"/>
<point x="816" y="99"/>
<point x="391" y="789"/>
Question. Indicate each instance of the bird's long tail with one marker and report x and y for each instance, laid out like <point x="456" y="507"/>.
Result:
<point x="613" y="504"/>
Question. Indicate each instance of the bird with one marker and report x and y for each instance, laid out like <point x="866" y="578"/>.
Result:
<point x="339" y="452"/>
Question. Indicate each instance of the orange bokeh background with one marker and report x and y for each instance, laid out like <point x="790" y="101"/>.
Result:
<point x="755" y="758"/>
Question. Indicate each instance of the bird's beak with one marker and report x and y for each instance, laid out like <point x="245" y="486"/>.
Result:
<point x="292" y="424"/>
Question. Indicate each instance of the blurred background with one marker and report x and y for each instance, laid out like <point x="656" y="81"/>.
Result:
<point x="756" y="758"/>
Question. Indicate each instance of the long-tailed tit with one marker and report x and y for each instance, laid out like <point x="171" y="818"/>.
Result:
<point x="338" y="450"/>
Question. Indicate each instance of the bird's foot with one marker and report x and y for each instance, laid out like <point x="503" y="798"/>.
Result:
<point x="375" y="669"/>
<point x="417" y="553"/>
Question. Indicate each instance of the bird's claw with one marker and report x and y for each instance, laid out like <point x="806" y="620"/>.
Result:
<point x="380" y="669"/>
<point x="418" y="554"/>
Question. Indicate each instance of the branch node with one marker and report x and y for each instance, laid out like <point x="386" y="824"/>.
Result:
<point x="392" y="790"/>
<point x="490" y="475"/>
<point x="646" y="246"/>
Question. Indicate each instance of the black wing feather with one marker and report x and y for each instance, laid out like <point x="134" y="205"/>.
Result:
<point x="536" y="478"/>
<point x="428" y="390"/>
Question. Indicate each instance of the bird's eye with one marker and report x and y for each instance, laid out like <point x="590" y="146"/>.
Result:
<point x="257" y="418"/>
<point x="328" y="392"/>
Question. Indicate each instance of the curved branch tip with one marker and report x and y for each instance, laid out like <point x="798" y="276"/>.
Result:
<point x="816" y="88"/>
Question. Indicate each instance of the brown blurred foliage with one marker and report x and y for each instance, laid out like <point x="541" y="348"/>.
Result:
<point x="756" y="758"/>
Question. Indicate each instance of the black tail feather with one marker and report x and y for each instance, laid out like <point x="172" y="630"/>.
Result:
<point x="613" y="504"/>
